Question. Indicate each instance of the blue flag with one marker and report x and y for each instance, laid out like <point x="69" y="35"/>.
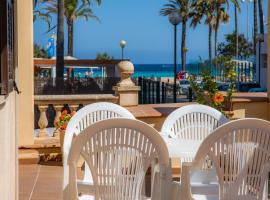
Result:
<point x="51" y="46"/>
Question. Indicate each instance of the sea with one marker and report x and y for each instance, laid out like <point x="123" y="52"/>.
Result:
<point x="145" y="70"/>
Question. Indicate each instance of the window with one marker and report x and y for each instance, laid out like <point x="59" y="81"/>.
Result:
<point x="7" y="46"/>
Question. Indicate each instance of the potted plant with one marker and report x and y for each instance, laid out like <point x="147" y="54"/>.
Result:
<point x="62" y="123"/>
<point x="207" y="92"/>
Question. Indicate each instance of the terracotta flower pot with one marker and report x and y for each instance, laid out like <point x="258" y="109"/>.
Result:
<point x="61" y="136"/>
<point x="230" y="114"/>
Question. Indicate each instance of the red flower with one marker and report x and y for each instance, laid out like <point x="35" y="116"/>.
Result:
<point x="62" y="117"/>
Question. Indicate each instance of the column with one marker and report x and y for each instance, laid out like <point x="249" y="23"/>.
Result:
<point x="25" y="71"/>
<point x="58" y="109"/>
<point x="43" y="121"/>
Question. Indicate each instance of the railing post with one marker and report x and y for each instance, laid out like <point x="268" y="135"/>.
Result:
<point x="153" y="83"/>
<point x="43" y="121"/>
<point x="163" y="92"/>
<point x="140" y="92"/>
<point x="144" y="91"/>
<point x="73" y="108"/>
<point x="158" y="92"/>
<point x="148" y="92"/>
<point x="58" y="109"/>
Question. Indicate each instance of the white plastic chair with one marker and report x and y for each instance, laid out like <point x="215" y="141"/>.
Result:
<point x="240" y="153"/>
<point x="194" y="122"/>
<point x="119" y="152"/>
<point x="82" y="119"/>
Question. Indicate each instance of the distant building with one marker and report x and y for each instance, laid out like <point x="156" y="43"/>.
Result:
<point x="261" y="62"/>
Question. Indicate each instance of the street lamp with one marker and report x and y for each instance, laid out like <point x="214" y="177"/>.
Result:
<point x="260" y="38"/>
<point x="175" y="18"/>
<point x="123" y="43"/>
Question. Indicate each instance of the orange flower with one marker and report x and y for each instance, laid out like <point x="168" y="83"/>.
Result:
<point x="64" y="112"/>
<point x="62" y="117"/>
<point x="64" y="126"/>
<point x="72" y="113"/>
<point x="218" y="98"/>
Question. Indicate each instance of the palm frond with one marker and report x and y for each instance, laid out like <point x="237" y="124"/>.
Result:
<point x="86" y="13"/>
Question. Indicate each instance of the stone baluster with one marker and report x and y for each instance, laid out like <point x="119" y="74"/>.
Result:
<point x="73" y="107"/>
<point x="43" y="121"/>
<point x="58" y="109"/>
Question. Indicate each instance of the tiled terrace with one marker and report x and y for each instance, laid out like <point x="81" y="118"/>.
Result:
<point x="41" y="181"/>
<point x="44" y="181"/>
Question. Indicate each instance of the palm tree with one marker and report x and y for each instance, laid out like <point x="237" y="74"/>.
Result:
<point x="204" y="9"/>
<point x="74" y="9"/>
<point x="183" y="8"/>
<point x="38" y="14"/>
<point x="60" y="40"/>
<point x="236" y="10"/>
<point x="221" y="16"/>
<point x="255" y="30"/>
<point x="236" y="29"/>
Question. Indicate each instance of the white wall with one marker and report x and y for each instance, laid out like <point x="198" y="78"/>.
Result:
<point x="263" y="63"/>
<point x="8" y="149"/>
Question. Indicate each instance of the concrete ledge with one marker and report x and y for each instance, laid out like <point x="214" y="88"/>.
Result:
<point x="74" y="99"/>
<point x="154" y="110"/>
<point x="28" y="156"/>
<point x="250" y="97"/>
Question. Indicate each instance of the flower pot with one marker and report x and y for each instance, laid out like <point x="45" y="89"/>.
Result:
<point x="61" y="136"/>
<point x="230" y="114"/>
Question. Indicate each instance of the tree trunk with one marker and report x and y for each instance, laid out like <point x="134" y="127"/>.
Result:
<point x="70" y="25"/>
<point x="216" y="39"/>
<point x="236" y="31"/>
<point x="255" y="32"/>
<point x="210" y="43"/>
<point x="216" y="33"/>
<point x="70" y="37"/>
<point x="60" y="40"/>
<point x="183" y="45"/>
<point x="261" y="17"/>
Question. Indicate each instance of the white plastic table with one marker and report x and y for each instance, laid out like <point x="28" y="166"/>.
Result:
<point x="181" y="148"/>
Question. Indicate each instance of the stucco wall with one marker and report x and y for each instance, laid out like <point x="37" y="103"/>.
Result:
<point x="8" y="149"/>
<point x="25" y="72"/>
<point x="254" y="109"/>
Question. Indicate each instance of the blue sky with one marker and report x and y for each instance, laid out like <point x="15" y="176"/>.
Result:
<point x="149" y="36"/>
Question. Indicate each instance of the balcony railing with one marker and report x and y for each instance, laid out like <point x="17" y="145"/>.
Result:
<point x="60" y="86"/>
<point x="48" y="109"/>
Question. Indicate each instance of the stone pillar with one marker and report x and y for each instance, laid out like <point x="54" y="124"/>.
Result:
<point x="43" y="121"/>
<point x="58" y="109"/>
<point x="126" y="90"/>
<point x="25" y="72"/>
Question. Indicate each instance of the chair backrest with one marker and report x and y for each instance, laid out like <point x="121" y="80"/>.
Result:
<point x="240" y="153"/>
<point x="85" y="117"/>
<point x="118" y="152"/>
<point x="193" y="122"/>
